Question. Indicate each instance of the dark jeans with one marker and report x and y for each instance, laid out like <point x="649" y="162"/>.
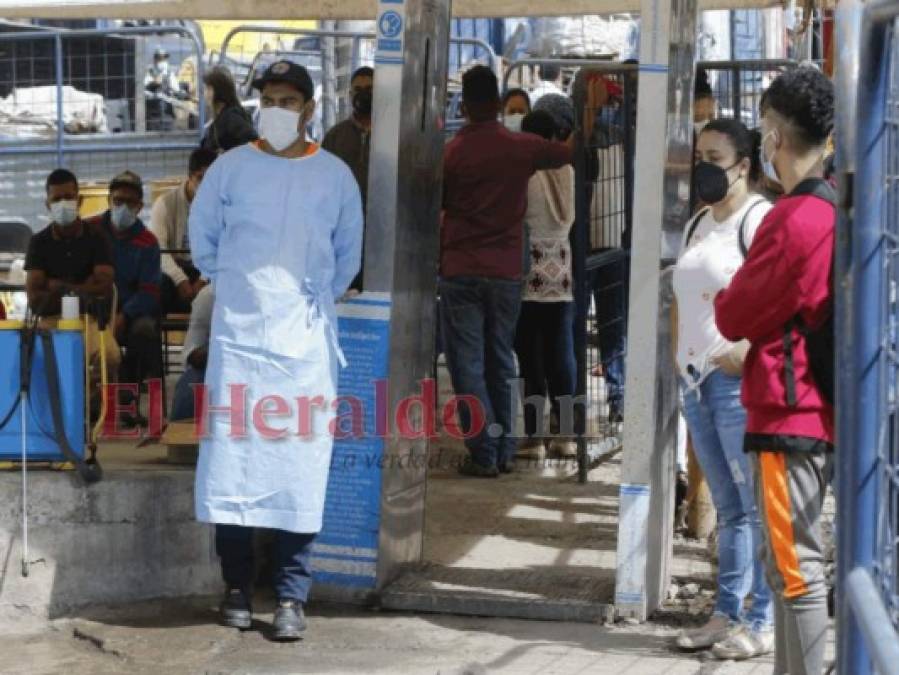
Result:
<point x="142" y="359"/>
<point x="293" y="572"/>
<point x="610" y="289"/>
<point x="479" y="317"/>
<point x="545" y="347"/>
<point x="183" y="401"/>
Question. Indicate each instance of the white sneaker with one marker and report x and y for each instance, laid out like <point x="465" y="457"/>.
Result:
<point x="744" y="643"/>
<point x="716" y="629"/>
<point x="561" y="448"/>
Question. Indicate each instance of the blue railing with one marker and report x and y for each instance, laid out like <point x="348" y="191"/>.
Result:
<point x="868" y="340"/>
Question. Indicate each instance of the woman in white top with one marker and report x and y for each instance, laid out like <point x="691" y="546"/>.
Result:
<point x="545" y="338"/>
<point x="715" y="244"/>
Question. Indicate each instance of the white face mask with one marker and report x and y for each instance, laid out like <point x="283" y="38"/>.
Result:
<point x="122" y="217"/>
<point x="280" y="127"/>
<point x="768" y="162"/>
<point x="64" y="213"/>
<point x="699" y="126"/>
<point x="513" y="122"/>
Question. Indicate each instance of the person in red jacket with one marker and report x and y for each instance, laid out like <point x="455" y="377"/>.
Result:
<point x="790" y="424"/>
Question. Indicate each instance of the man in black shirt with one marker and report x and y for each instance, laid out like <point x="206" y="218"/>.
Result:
<point x="351" y="139"/>
<point x="67" y="256"/>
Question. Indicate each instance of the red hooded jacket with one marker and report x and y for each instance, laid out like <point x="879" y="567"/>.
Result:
<point x="787" y="273"/>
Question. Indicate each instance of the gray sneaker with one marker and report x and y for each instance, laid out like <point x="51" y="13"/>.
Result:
<point x="290" y="621"/>
<point x="743" y="644"/>
<point x="716" y="629"/>
<point x="235" y="609"/>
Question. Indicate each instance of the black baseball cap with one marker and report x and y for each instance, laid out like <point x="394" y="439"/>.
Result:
<point x="290" y="73"/>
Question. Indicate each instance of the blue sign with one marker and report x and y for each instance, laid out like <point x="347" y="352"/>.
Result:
<point x="391" y="24"/>
<point x="345" y="553"/>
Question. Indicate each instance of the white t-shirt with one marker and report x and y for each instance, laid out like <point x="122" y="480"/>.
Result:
<point x="705" y="266"/>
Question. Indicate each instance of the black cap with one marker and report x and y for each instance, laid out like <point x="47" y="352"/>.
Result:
<point x="289" y="72"/>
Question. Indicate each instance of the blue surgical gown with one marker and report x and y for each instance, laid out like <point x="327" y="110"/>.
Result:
<point x="281" y="238"/>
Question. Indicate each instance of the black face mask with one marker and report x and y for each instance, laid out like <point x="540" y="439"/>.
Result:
<point x="711" y="181"/>
<point x="362" y="101"/>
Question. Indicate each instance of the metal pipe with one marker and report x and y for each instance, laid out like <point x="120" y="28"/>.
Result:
<point x="848" y="27"/>
<point x="874" y="622"/>
<point x="859" y="419"/>
<point x="60" y="126"/>
<point x="93" y="147"/>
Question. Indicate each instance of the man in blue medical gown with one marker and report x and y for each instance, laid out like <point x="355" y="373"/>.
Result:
<point x="277" y="225"/>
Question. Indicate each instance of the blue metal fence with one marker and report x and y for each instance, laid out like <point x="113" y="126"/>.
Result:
<point x="868" y="349"/>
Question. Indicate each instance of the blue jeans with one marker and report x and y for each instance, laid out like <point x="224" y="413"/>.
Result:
<point x="478" y="317"/>
<point x="293" y="551"/>
<point x="545" y="347"/>
<point x="183" y="401"/>
<point x="717" y="423"/>
<point x="610" y="289"/>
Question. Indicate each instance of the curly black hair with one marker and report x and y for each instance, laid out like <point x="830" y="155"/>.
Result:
<point x="804" y="97"/>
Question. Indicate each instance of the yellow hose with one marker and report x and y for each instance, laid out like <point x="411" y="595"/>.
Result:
<point x="104" y="381"/>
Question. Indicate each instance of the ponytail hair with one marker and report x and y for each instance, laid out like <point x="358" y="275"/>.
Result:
<point x="747" y="144"/>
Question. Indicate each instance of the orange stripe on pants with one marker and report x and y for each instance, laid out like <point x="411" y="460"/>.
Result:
<point x="778" y="516"/>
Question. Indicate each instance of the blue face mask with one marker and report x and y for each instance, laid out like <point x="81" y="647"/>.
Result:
<point x="122" y="217"/>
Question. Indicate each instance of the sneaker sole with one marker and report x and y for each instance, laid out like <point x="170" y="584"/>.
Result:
<point x="734" y="656"/>
<point x="288" y="635"/>
<point x="239" y="622"/>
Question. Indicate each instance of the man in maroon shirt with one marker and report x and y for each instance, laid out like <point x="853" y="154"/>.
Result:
<point x="486" y="174"/>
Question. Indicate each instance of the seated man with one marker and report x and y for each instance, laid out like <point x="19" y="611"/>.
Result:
<point x="168" y="221"/>
<point x="69" y="255"/>
<point x="196" y="353"/>
<point x="137" y="273"/>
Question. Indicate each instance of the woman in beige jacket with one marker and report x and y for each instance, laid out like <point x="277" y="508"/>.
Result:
<point x="545" y="338"/>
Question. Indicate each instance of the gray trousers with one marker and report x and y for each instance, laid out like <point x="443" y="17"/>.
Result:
<point x="790" y="489"/>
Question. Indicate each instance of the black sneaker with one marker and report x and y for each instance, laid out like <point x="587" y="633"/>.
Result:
<point x="470" y="468"/>
<point x="236" y="610"/>
<point x="290" y="621"/>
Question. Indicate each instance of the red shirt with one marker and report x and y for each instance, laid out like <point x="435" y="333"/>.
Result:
<point x="787" y="272"/>
<point x="486" y="171"/>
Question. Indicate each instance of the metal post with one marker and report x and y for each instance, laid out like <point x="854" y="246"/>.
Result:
<point x="60" y="126"/>
<point x="848" y="27"/>
<point x="329" y="78"/>
<point x="859" y="411"/>
<point x="401" y="240"/>
<point x="663" y="162"/>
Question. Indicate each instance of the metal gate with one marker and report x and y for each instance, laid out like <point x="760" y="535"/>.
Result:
<point x="313" y="49"/>
<point x="868" y="352"/>
<point x="738" y="86"/>
<point x="600" y="243"/>
<point x="78" y="98"/>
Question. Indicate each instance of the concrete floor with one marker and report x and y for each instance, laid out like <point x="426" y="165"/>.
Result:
<point x="531" y="536"/>
<point x="181" y="637"/>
